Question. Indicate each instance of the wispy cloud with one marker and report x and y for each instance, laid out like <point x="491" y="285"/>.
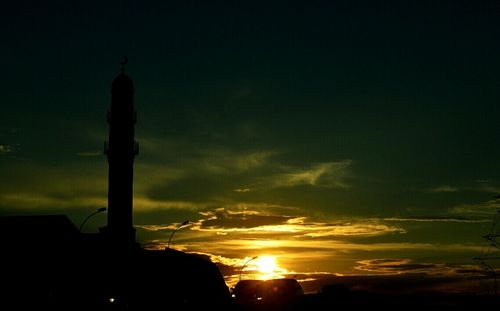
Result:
<point x="392" y="275"/>
<point x="222" y="220"/>
<point x="229" y="237"/>
<point x="89" y="154"/>
<point x="29" y="185"/>
<point x="194" y="159"/>
<point x="297" y="255"/>
<point x="444" y="189"/>
<point x="327" y="174"/>
<point x="223" y="161"/>
<point x="436" y="219"/>
<point x="482" y="185"/>
<point x="47" y="187"/>
<point x="394" y="266"/>
<point x="215" y="174"/>
<point x="310" y="247"/>
<point x="480" y="210"/>
<point x="254" y="222"/>
<point x="242" y="190"/>
<point x="401" y="266"/>
<point x="41" y="201"/>
<point x="148" y="176"/>
<point x="356" y="229"/>
<point x="157" y="228"/>
<point x="142" y="203"/>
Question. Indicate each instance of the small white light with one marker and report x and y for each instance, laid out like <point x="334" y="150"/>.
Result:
<point x="259" y="298"/>
<point x="111" y="299"/>
<point x="233" y="295"/>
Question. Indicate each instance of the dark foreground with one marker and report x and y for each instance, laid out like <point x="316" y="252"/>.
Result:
<point x="363" y="301"/>
<point x="358" y="301"/>
<point x="402" y="302"/>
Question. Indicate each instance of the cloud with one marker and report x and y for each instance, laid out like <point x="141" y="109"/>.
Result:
<point x="149" y="176"/>
<point x="221" y="176"/>
<point x="406" y="276"/>
<point x="27" y="185"/>
<point x="39" y="186"/>
<point x="203" y="175"/>
<point x="393" y="266"/>
<point x="356" y="229"/>
<point x="482" y="185"/>
<point x="240" y="190"/>
<point x="193" y="159"/>
<point x="223" y="235"/>
<point x="481" y="210"/>
<point x="227" y="162"/>
<point x="218" y="175"/>
<point x="309" y="249"/>
<point x="326" y="174"/>
<point x="252" y="222"/>
<point x="158" y="228"/>
<point x="436" y="219"/>
<point x="401" y="266"/>
<point x="144" y="203"/>
<point x="89" y="154"/>
<point x="444" y="189"/>
<point x="230" y="268"/>
<point x="222" y="219"/>
<point x="230" y="255"/>
<point x="5" y="149"/>
<point x="35" y="201"/>
<point x="195" y="188"/>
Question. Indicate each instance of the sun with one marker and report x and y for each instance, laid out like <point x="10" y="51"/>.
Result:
<point x="264" y="267"/>
<point x="266" y="264"/>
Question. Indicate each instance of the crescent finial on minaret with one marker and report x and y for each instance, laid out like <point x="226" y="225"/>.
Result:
<point x="123" y="63"/>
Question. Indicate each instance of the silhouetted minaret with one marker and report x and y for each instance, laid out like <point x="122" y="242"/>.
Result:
<point x="121" y="150"/>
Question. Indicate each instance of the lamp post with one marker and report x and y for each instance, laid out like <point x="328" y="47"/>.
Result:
<point x="243" y="266"/>
<point x="97" y="211"/>
<point x="179" y="227"/>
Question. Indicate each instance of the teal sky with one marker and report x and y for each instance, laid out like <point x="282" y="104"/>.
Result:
<point x="349" y="137"/>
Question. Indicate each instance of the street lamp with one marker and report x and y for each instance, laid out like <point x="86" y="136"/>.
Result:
<point x="243" y="266"/>
<point x="97" y="211"/>
<point x="179" y="227"/>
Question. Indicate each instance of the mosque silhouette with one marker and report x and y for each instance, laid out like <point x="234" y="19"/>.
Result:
<point x="48" y="263"/>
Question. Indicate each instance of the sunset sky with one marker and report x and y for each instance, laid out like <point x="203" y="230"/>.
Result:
<point x="325" y="137"/>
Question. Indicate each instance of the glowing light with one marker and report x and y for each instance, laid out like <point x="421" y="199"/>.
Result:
<point x="266" y="264"/>
<point x="266" y="267"/>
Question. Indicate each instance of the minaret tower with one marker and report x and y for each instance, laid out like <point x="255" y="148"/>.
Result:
<point x="121" y="149"/>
